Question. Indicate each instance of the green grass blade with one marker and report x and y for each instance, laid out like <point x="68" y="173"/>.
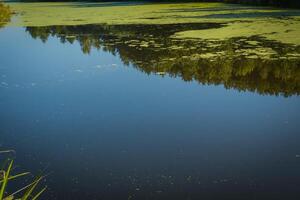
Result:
<point x="5" y="180"/>
<point x="20" y="190"/>
<point x="30" y="190"/>
<point x="39" y="194"/>
<point x="9" y="198"/>
<point x="16" y="176"/>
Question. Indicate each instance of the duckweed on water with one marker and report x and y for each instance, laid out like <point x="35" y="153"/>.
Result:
<point x="237" y="21"/>
<point x="282" y="30"/>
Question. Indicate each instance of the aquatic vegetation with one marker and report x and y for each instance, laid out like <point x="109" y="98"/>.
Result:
<point x="284" y="3"/>
<point x="79" y="13"/>
<point x="5" y="14"/>
<point x="285" y="31"/>
<point x="237" y="21"/>
<point x="27" y="192"/>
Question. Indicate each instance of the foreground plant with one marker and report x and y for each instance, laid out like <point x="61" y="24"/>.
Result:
<point x="28" y="192"/>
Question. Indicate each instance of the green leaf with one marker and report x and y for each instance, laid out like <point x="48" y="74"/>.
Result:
<point x="5" y="180"/>
<point x="39" y="194"/>
<point x="31" y="188"/>
<point x="16" y="176"/>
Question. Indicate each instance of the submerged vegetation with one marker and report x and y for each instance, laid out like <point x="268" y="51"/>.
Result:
<point x="28" y="192"/>
<point x="5" y="14"/>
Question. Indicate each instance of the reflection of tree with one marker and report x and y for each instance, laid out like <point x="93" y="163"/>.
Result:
<point x="5" y="14"/>
<point x="150" y="49"/>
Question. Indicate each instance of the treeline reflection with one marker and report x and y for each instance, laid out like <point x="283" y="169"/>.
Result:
<point x="246" y="64"/>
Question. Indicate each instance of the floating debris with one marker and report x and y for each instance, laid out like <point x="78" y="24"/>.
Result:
<point x="144" y="45"/>
<point x="254" y="43"/>
<point x="161" y="73"/>
<point x="98" y="66"/>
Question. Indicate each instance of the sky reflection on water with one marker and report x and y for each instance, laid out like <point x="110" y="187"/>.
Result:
<point x="109" y="131"/>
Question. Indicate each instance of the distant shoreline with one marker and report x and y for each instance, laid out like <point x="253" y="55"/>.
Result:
<point x="278" y="3"/>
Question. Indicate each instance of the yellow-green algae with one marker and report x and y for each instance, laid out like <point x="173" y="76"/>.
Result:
<point x="66" y="13"/>
<point x="46" y="14"/>
<point x="282" y="30"/>
<point x="239" y="21"/>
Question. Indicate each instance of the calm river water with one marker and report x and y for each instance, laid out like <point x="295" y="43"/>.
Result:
<point x="129" y="112"/>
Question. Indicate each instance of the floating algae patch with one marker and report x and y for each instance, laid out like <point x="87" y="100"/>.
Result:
<point x="281" y="30"/>
<point x="259" y="52"/>
<point x="254" y="43"/>
<point x="219" y="21"/>
<point x="79" y="13"/>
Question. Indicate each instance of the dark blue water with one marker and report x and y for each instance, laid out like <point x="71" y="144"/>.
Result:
<point x="105" y="130"/>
